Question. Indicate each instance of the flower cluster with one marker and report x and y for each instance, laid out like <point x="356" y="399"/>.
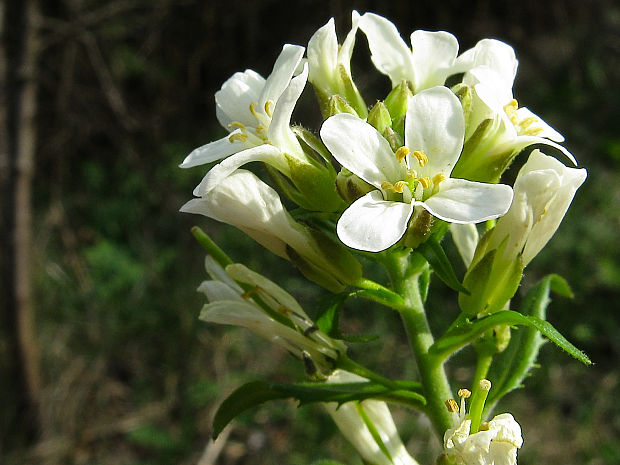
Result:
<point x="386" y="182"/>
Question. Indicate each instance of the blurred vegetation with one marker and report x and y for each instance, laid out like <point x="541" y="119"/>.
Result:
<point x="129" y="374"/>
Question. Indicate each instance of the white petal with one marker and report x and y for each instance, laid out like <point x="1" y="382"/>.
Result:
<point x="217" y="290"/>
<point x="493" y="54"/>
<point x="373" y="224"/>
<point x="390" y="53"/>
<point x="323" y="54"/>
<point x="218" y="274"/>
<point x="243" y="274"/>
<point x="546" y="131"/>
<point x="280" y="133"/>
<point x="265" y="153"/>
<point x="283" y="71"/>
<point x="346" y="51"/>
<point x="435" y="125"/>
<point x="465" y="237"/>
<point x="461" y="201"/>
<point x="213" y="151"/>
<point x="433" y="55"/>
<point x="524" y="141"/>
<point x="234" y="98"/>
<point x="361" y="149"/>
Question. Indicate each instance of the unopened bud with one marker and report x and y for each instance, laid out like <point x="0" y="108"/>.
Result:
<point x="350" y="186"/>
<point x="337" y="104"/>
<point x="379" y="117"/>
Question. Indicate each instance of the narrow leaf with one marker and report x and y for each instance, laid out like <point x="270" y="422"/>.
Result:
<point x="512" y="366"/>
<point x="469" y="331"/>
<point x="257" y="392"/>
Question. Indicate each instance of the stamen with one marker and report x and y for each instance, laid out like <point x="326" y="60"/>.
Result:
<point x="464" y="393"/>
<point x="421" y="156"/>
<point x="437" y="179"/>
<point x="387" y="186"/>
<point x="269" y="104"/>
<point x="511" y="110"/>
<point x="452" y="406"/>
<point x="249" y="293"/>
<point x="485" y="385"/>
<point x="253" y="106"/>
<point x="399" y="186"/>
<point x="284" y="310"/>
<point x="401" y="153"/>
<point x="412" y="175"/>
<point x="425" y="181"/>
<point x="260" y="130"/>
<point x="235" y="124"/>
<point x="237" y="137"/>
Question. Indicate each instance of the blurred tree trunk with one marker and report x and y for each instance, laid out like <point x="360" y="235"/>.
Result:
<point x="18" y="81"/>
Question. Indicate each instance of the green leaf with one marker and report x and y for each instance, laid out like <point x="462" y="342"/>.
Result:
<point x="432" y="251"/>
<point x="468" y="331"/>
<point x="512" y="366"/>
<point x="257" y="392"/>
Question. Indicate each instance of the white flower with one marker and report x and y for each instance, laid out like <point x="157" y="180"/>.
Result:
<point x="329" y="63"/>
<point x="495" y="444"/>
<point x="543" y="191"/>
<point x="229" y="304"/>
<point x="512" y="128"/>
<point x="418" y="175"/>
<point x="244" y="201"/>
<point x="350" y="420"/>
<point x="255" y="110"/>
<point x="432" y="56"/>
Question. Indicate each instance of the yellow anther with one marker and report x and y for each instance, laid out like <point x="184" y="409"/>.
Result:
<point x="511" y="110"/>
<point x="484" y="426"/>
<point x="387" y="186"/>
<point x="269" y="104"/>
<point x="260" y="130"/>
<point x="412" y="175"/>
<point x="527" y="122"/>
<point x="421" y="156"/>
<point x="249" y="293"/>
<point x="399" y="186"/>
<point x="235" y="124"/>
<point x="438" y="178"/>
<point x="533" y="131"/>
<point x="425" y="181"/>
<point x="237" y="137"/>
<point x="452" y="406"/>
<point x="401" y="153"/>
<point x="485" y="385"/>
<point x="284" y="310"/>
<point x="464" y="393"/>
<point x="253" y="106"/>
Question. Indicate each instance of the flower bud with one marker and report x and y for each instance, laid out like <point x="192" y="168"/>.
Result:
<point x="379" y="117"/>
<point x="543" y="191"/>
<point x="336" y="104"/>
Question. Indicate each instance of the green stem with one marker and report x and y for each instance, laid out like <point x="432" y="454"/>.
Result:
<point x="405" y="272"/>
<point x="345" y="363"/>
<point x="482" y="367"/>
<point x="211" y="247"/>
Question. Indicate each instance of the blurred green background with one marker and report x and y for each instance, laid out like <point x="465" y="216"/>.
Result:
<point x="127" y="373"/>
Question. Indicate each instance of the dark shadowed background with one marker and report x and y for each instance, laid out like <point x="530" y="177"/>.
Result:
<point x="102" y="358"/>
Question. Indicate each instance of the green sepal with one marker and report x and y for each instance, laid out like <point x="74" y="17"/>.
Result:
<point x="255" y="393"/>
<point x="313" y="145"/>
<point x="491" y="280"/>
<point x="468" y="331"/>
<point x="512" y="366"/>
<point x="464" y="94"/>
<point x="336" y="105"/>
<point x="316" y="184"/>
<point x="397" y="101"/>
<point x="434" y="254"/>
<point x="338" y="267"/>
<point x="328" y="320"/>
<point x="379" y="117"/>
<point x="351" y="93"/>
